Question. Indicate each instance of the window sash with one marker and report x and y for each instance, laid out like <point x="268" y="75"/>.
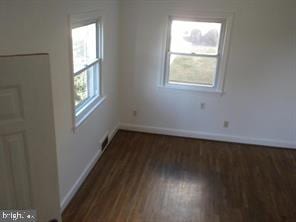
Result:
<point x="97" y="24"/>
<point x="93" y="85"/>
<point x="99" y="40"/>
<point x="208" y="20"/>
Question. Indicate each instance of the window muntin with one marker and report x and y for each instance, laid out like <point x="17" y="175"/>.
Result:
<point x="194" y="52"/>
<point x="86" y="46"/>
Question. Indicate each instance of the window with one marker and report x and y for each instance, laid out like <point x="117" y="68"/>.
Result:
<point x="195" y="56"/>
<point x="87" y="62"/>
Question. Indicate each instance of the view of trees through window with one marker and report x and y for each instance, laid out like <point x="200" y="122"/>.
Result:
<point x="194" y="52"/>
<point x="80" y="88"/>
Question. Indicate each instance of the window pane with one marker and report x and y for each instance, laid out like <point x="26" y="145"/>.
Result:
<point x="86" y="85"/>
<point x="84" y="45"/>
<point x="80" y="88"/>
<point x="192" y="70"/>
<point x="195" y="37"/>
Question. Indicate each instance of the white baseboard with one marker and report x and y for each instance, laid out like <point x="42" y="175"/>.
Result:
<point x="71" y="193"/>
<point x="208" y="136"/>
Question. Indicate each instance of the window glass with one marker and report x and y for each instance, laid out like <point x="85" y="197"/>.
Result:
<point x="84" y="46"/>
<point x="192" y="70"/>
<point x="195" y="37"/>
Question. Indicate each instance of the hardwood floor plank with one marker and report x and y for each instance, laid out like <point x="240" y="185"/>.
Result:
<point x="154" y="178"/>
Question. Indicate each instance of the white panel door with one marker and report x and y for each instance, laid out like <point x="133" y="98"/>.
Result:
<point x="28" y="163"/>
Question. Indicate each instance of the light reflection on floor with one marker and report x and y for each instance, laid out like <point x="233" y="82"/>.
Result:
<point x="180" y="196"/>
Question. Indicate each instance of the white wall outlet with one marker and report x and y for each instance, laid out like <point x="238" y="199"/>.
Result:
<point x="226" y="124"/>
<point x="202" y="105"/>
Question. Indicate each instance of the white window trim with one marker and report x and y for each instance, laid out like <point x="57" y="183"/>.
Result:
<point x="223" y="51"/>
<point x="81" y="114"/>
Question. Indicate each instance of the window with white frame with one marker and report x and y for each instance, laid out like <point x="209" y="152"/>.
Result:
<point x="195" y="56"/>
<point x="87" y="62"/>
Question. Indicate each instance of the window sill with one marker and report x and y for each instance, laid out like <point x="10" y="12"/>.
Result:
<point x="82" y="115"/>
<point x="201" y="89"/>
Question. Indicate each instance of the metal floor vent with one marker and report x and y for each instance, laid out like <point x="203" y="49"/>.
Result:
<point x="105" y="143"/>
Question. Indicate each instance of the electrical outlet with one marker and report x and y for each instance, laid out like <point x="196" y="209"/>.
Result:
<point x="135" y="113"/>
<point x="226" y="124"/>
<point x="202" y="105"/>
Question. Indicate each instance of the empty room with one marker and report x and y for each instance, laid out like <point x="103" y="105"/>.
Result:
<point x="147" y="110"/>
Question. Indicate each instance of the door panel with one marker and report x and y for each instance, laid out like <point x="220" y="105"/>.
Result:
<point x="16" y="175"/>
<point x="7" y="200"/>
<point x="15" y="147"/>
<point x="10" y="104"/>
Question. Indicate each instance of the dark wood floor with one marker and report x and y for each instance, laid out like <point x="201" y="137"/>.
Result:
<point x="154" y="178"/>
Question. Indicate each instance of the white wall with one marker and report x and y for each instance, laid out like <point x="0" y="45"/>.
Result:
<point x="259" y="99"/>
<point x="42" y="26"/>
